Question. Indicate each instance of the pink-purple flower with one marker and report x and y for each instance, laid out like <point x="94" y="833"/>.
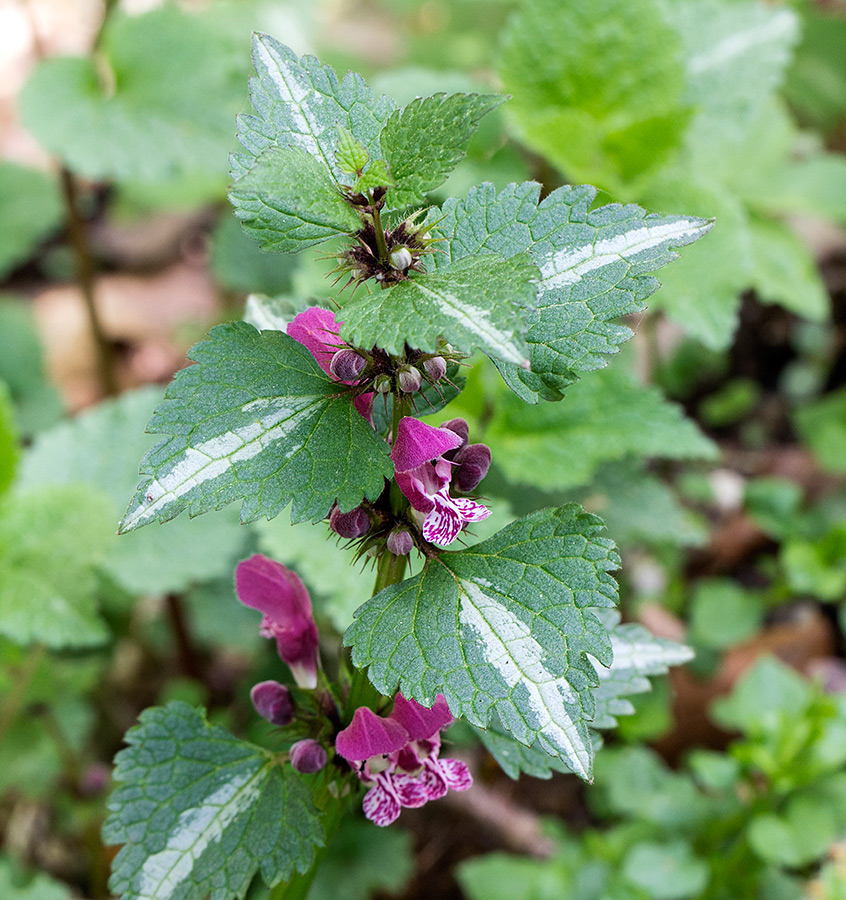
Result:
<point x="424" y="476"/>
<point x="279" y="594"/>
<point x="318" y="331"/>
<point x="398" y="757"/>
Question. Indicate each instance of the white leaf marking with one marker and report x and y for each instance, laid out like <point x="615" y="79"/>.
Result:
<point x="567" y="266"/>
<point x="212" y="458"/>
<point x="782" y="25"/>
<point x="477" y="321"/>
<point x="510" y="648"/>
<point x="195" y="831"/>
<point x="285" y="77"/>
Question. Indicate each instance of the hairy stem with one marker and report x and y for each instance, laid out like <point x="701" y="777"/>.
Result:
<point x="381" y="244"/>
<point x="84" y="261"/>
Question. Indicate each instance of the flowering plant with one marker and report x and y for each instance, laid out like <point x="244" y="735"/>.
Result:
<point x="515" y="634"/>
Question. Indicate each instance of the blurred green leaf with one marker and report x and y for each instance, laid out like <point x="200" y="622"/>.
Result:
<point x="822" y="426"/>
<point x="364" y="859"/>
<point x="597" y="86"/>
<point x="101" y="448"/>
<point x="796" y="837"/>
<point x="239" y="265"/>
<point x="37" y="403"/>
<point x="667" y="871"/>
<point x="159" y="102"/>
<point x="31" y="211"/>
<point x="724" y="613"/>
<point x="50" y="541"/>
<point x="16" y="885"/>
<point x="817" y="567"/>
<point x="8" y="440"/>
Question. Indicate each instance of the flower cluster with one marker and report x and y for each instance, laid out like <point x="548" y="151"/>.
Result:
<point x="398" y="757"/>
<point x="424" y="472"/>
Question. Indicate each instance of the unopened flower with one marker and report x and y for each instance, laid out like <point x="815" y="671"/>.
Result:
<point x="409" y="380"/>
<point x="307" y="756"/>
<point x="351" y="525"/>
<point x="398" y="757"/>
<point x="471" y="461"/>
<point x="273" y="701"/>
<point x="400" y="542"/>
<point x="435" y="368"/>
<point x="347" y="365"/>
<point x="269" y="587"/>
<point x="318" y="331"/>
<point x="424" y="475"/>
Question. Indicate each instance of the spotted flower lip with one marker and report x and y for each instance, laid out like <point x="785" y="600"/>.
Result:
<point x="318" y="331"/>
<point x="398" y="757"/>
<point x="277" y="592"/>
<point x="424" y="474"/>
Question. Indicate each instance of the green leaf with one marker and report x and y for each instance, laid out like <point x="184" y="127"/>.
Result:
<point x="288" y="201"/>
<point x="767" y="696"/>
<point x="377" y="175"/>
<point x="8" y="439"/>
<point x="424" y="141"/>
<point x="200" y="811"/>
<point x="159" y="102"/>
<point x="32" y="210"/>
<point x="256" y="420"/>
<point x="38" y="887"/>
<point x="504" y="627"/>
<point x="785" y="272"/>
<point x="637" y="654"/>
<point x="724" y="613"/>
<point x="667" y="871"/>
<point x="50" y="541"/>
<point x="515" y="758"/>
<point x="366" y="859"/>
<point x="37" y="403"/>
<point x="299" y="103"/>
<point x="238" y="264"/>
<point x="802" y="834"/>
<point x="822" y="426"/>
<point x="701" y="292"/>
<point x="597" y="86"/>
<point x="606" y="417"/>
<point x="351" y="155"/>
<point x="100" y="448"/>
<point x="593" y="266"/>
<point x="476" y="303"/>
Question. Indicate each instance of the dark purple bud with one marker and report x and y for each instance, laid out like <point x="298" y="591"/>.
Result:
<point x="409" y="380"/>
<point x="474" y="464"/>
<point x="353" y="524"/>
<point x="459" y="427"/>
<point x="382" y="384"/>
<point x="95" y="780"/>
<point x="273" y="702"/>
<point x="307" y="756"/>
<point x="435" y="367"/>
<point x="347" y="365"/>
<point x="400" y="542"/>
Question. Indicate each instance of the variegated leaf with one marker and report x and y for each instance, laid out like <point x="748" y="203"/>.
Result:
<point x="479" y="303"/>
<point x="593" y="266"/>
<point x="637" y="654"/>
<point x="502" y="628"/>
<point x="199" y="812"/>
<point x="300" y="103"/>
<point x="257" y="420"/>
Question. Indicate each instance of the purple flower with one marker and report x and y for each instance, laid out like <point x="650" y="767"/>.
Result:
<point x="398" y="757"/>
<point x="307" y="756"/>
<point x="277" y="592"/>
<point x="424" y="475"/>
<point x="318" y="331"/>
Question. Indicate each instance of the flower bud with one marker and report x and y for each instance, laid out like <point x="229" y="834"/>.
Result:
<point x="435" y="367"/>
<point x="307" y="756"/>
<point x="409" y="380"/>
<point x="347" y="365"/>
<point x="474" y="462"/>
<point x="401" y="258"/>
<point x="382" y="384"/>
<point x="400" y="542"/>
<point x="459" y="427"/>
<point x="273" y="702"/>
<point x="351" y="525"/>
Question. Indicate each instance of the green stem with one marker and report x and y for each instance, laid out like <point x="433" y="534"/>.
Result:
<point x="381" y="245"/>
<point x="300" y="884"/>
<point x="85" y="269"/>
